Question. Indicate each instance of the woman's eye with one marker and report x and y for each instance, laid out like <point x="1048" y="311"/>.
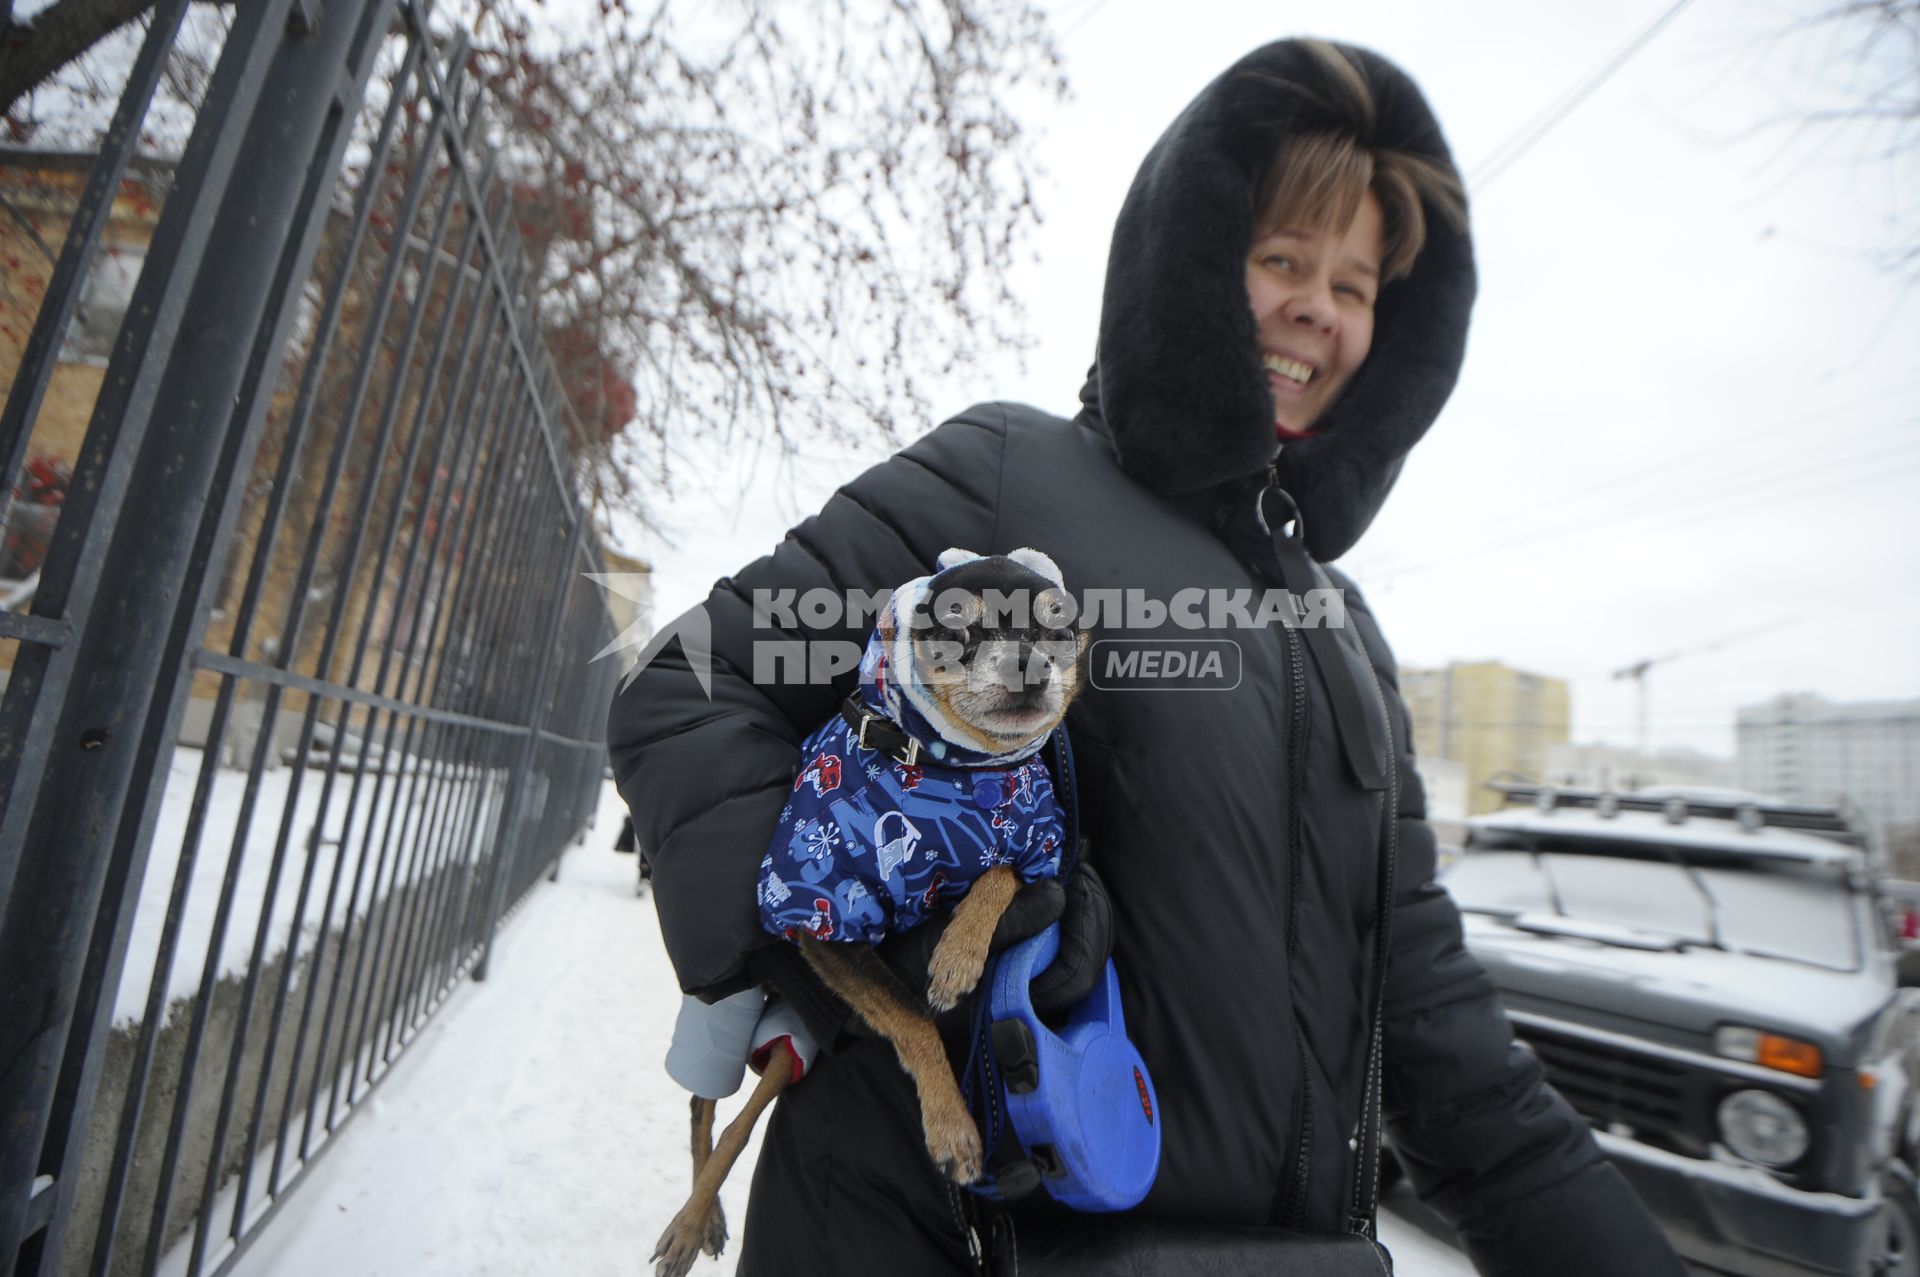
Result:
<point x="1280" y="263"/>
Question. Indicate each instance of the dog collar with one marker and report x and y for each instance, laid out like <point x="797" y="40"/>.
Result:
<point x="878" y="732"/>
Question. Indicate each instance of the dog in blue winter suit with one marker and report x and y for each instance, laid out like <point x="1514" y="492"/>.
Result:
<point x="869" y="844"/>
<point x="925" y="791"/>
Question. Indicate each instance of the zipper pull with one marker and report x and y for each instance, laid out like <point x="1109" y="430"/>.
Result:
<point x="1344" y="671"/>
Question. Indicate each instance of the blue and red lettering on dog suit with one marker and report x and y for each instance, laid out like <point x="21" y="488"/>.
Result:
<point x="867" y="846"/>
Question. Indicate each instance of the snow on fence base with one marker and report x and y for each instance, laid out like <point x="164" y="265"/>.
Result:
<point x="375" y="1040"/>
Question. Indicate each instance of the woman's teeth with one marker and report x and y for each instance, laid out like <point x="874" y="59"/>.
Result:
<point x="1292" y="369"/>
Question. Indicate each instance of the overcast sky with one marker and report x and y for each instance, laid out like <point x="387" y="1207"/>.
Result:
<point x="1691" y="402"/>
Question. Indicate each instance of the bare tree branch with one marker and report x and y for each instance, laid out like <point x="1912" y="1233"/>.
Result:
<point x="34" y="51"/>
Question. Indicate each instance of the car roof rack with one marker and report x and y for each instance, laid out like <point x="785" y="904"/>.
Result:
<point x="1752" y="812"/>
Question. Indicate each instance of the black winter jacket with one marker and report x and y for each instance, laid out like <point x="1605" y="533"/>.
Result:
<point x="1236" y="840"/>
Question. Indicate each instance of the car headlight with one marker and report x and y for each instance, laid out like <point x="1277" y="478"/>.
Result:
<point x="1763" y="1128"/>
<point x="1769" y="1050"/>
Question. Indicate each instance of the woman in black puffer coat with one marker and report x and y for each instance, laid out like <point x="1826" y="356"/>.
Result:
<point x="1274" y="338"/>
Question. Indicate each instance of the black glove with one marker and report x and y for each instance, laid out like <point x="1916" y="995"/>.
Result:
<point x="1081" y="908"/>
<point x="1086" y="942"/>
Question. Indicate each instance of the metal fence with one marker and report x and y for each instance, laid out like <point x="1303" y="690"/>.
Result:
<point x="321" y="525"/>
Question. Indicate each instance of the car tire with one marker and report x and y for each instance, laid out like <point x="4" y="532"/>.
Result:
<point x="1900" y="1243"/>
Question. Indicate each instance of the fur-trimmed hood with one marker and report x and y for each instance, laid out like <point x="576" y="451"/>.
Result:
<point x="1178" y="379"/>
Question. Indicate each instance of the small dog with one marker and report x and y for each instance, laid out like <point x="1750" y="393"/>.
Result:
<point x="925" y="790"/>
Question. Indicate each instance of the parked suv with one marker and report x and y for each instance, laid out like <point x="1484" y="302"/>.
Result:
<point x="1714" y="981"/>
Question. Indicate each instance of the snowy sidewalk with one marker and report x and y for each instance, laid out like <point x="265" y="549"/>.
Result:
<point x="530" y="1130"/>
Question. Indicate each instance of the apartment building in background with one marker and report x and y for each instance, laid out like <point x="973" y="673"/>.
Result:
<point x="1489" y="718"/>
<point x="1805" y="747"/>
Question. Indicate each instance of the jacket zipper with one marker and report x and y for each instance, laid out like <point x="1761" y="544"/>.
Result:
<point x="1296" y="1198"/>
<point x="1296" y="761"/>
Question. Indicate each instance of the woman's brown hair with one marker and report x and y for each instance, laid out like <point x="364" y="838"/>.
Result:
<point x="1318" y="179"/>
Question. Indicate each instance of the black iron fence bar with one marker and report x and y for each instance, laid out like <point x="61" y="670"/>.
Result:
<point x="422" y="301"/>
<point x="45" y="631"/>
<point x="509" y="836"/>
<point x="479" y="826"/>
<point x="312" y="377"/>
<point x="431" y="843"/>
<point x="421" y="909"/>
<point x="497" y="315"/>
<point x="467" y="268"/>
<point x="450" y="939"/>
<point x="154" y="1012"/>
<point x="451" y="837"/>
<point x="315" y="198"/>
<point x="456" y="745"/>
<point x="396" y="516"/>
<point x="176" y="402"/>
<point x="478" y="612"/>
<point x="304" y="747"/>
<point x="324" y="1073"/>
<point x="77" y="553"/>
<point x="427" y="504"/>
<point x="221" y="663"/>
<point x="504" y="596"/>
<point x="386" y="744"/>
<point x="375" y="324"/>
<point x="521" y="344"/>
<point x="351" y="1038"/>
<point x="516" y="785"/>
<point x="203" y="1005"/>
<point x="89" y="220"/>
<point x="569" y="742"/>
<point x="396" y="930"/>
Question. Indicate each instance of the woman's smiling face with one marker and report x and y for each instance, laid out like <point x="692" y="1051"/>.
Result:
<point x="1312" y="292"/>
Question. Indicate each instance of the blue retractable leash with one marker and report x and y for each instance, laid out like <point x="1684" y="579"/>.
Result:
<point x="1072" y="1111"/>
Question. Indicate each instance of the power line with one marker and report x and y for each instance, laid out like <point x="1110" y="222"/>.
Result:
<point x="1070" y="25"/>
<point x="1529" y="134"/>
<point x="1441" y="568"/>
<point x="1671" y="467"/>
<point x="1758" y="490"/>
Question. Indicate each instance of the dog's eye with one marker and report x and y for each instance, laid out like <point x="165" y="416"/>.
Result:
<point x="956" y="609"/>
<point x="1053" y="609"/>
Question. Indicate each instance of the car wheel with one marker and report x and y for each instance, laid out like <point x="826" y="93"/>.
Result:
<point x="1900" y="1243"/>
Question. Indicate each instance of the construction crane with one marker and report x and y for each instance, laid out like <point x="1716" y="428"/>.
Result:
<point x="1638" y="670"/>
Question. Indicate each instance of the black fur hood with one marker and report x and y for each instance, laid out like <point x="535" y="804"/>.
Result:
<point x="1178" y="378"/>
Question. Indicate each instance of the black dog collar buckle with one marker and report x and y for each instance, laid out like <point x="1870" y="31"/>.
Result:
<point x="879" y="733"/>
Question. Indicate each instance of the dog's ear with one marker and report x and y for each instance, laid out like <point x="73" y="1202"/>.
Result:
<point x="954" y="556"/>
<point x="1027" y="557"/>
<point x="884" y="622"/>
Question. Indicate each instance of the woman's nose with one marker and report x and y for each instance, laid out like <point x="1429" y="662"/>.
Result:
<point x="1310" y="307"/>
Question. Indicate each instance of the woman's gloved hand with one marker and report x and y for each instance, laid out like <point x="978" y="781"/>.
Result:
<point x="1079" y="905"/>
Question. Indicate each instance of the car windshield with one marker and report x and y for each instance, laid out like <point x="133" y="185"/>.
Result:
<point x="1798" y="912"/>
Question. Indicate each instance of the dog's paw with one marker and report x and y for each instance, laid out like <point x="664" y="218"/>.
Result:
<point x="713" y="1238"/>
<point x="680" y="1245"/>
<point x="954" y="1146"/>
<point x="950" y="979"/>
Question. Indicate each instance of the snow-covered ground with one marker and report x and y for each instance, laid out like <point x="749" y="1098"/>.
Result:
<point x="531" y="1129"/>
